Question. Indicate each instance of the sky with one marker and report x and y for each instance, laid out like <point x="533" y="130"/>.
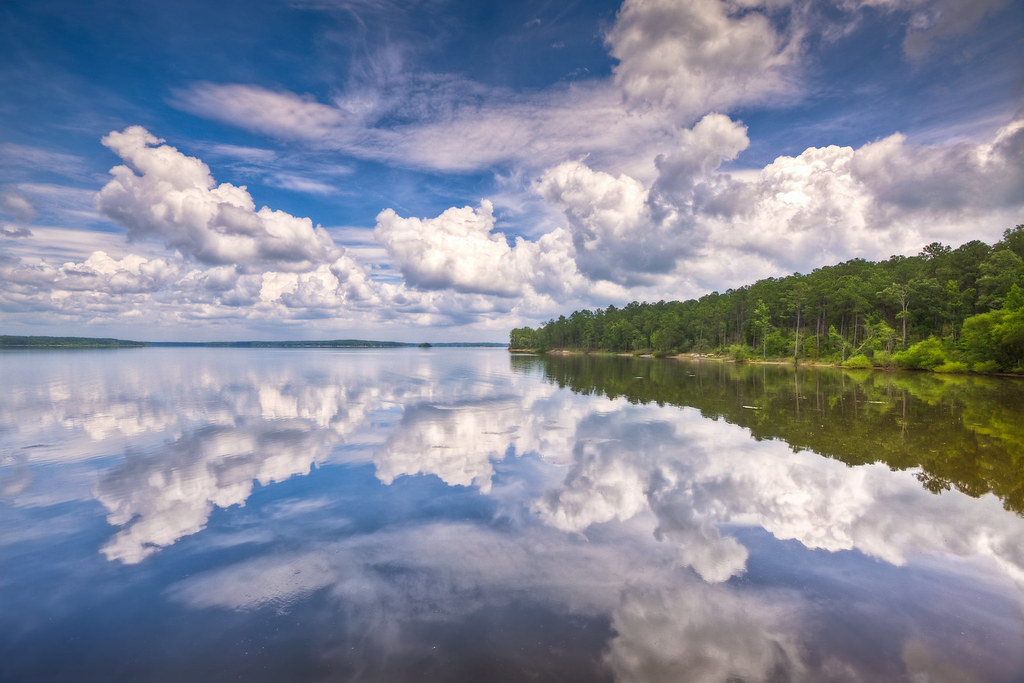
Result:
<point x="432" y="170"/>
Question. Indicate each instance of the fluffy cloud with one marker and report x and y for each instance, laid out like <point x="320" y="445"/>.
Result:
<point x="944" y="179"/>
<point x="456" y="250"/>
<point x="691" y="227"/>
<point x="699" y="56"/>
<point x="173" y="197"/>
<point x="826" y="205"/>
<point x="233" y="262"/>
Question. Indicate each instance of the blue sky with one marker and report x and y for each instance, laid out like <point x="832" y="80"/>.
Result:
<point x="430" y="170"/>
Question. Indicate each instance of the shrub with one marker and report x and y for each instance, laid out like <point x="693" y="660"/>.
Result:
<point x="778" y="344"/>
<point x="953" y="366"/>
<point x="924" y="355"/>
<point x="882" y="359"/>
<point x="986" y="366"/>
<point x="858" y="361"/>
<point x="740" y="353"/>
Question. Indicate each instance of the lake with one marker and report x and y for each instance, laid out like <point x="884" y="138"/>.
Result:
<point x="469" y="515"/>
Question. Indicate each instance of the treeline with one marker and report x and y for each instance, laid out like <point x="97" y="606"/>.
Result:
<point x="8" y="341"/>
<point x="945" y="309"/>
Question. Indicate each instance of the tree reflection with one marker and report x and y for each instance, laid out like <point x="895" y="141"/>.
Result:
<point x="962" y="432"/>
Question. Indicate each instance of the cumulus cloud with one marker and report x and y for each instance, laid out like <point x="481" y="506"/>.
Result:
<point x="165" y="194"/>
<point x="695" y="226"/>
<point x="231" y="261"/>
<point x="825" y="205"/>
<point x="941" y="179"/>
<point x="461" y="250"/>
<point x="608" y="218"/>
<point x="699" y="56"/>
<point x="690" y="227"/>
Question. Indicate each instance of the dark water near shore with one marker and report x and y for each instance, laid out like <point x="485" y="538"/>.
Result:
<point x="453" y="514"/>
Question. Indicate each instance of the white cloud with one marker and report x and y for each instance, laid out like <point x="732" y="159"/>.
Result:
<point x="691" y="227"/>
<point x="460" y="250"/>
<point x="233" y="262"/>
<point x="702" y="634"/>
<point x="825" y="205"/>
<point x="699" y="56"/>
<point x="173" y="197"/>
<point x="941" y="179"/>
<point x="608" y="218"/>
<point x="17" y="205"/>
<point x="458" y="127"/>
<point x="696" y="227"/>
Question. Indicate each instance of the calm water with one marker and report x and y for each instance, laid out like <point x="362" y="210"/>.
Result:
<point x="452" y="514"/>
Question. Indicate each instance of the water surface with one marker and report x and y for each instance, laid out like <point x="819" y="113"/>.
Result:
<point x="453" y="514"/>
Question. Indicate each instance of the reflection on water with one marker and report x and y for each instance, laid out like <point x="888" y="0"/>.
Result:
<point x="449" y="515"/>
<point x="963" y="432"/>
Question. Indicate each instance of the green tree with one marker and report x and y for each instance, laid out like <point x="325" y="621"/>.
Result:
<point x="1000" y="271"/>
<point x="924" y="355"/>
<point x="760" y="323"/>
<point x="900" y="294"/>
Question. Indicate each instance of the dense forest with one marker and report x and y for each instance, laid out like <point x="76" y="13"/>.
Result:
<point x="949" y="310"/>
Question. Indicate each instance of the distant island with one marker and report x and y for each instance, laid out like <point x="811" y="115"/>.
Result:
<point x="38" y="342"/>
<point x="19" y="342"/>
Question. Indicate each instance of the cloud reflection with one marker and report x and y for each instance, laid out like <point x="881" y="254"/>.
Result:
<point x="158" y="499"/>
<point x="697" y="475"/>
<point x="635" y="518"/>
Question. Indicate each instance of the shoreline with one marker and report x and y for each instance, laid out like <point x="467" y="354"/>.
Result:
<point x="723" y="358"/>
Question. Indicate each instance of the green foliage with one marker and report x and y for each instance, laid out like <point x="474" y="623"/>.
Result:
<point x="985" y="366"/>
<point x="952" y="367"/>
<point x="522" y="338"/>
<point x="996" y="337"/>
<point x="19" y="342"/>
<point x="740" y="353"/>
<point x="924" y="355"/>
<point x="882" y="311"/>
<point x="778" y="344"/>
<point x="883" y="359"/>
<point x="858" y="361"/>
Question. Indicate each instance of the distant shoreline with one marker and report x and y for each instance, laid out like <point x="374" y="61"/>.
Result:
<point x="42" y="342"/>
